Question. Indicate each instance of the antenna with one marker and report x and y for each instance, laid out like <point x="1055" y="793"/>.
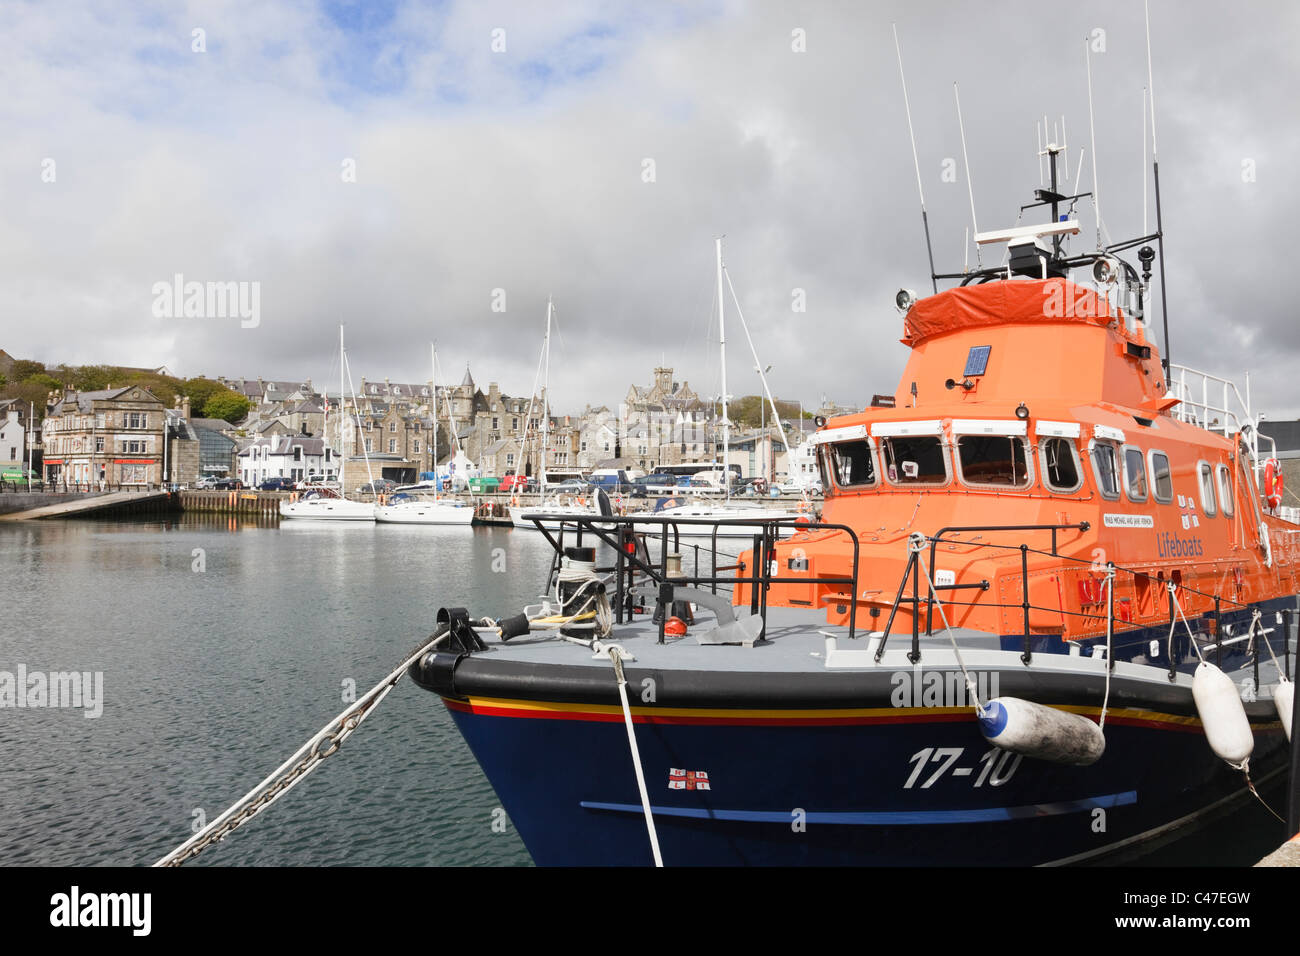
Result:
<point x="1092" y="133"/>
<point x="1144" y="160"/>
<point x="1160" y="231"/>
<point x="970" y="186"/>
<point x="925" y="219"/>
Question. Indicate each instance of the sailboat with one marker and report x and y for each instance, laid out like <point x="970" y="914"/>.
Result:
<point x="734" y="519"/>
<point x="322" y="504"/>
<point x="417" y="509"/>
<point x="558" y="507"/>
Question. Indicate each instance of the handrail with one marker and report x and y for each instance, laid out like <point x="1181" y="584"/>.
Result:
<point x="761" y="578"/>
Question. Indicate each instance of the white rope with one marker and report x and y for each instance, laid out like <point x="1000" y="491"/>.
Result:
<point x="1173" y="595"/>
<point x="615" y="655"/>
<point x="915" y="546"/>
<point x="1110" y="638"/>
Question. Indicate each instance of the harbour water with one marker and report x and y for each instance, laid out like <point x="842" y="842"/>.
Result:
<point x="224" y="644"/>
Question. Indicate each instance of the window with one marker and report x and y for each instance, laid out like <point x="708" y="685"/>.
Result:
<point x="496" y="423"/>
<point x="1205" y="477"/>
<point x="1104" y="469"/>
<point x="993" y="460"/>
<point x="297" y="452"/>
<point x="392" y="428"/>
<point x="370" y="446"/>
<point x="1162" y="484"/>
<point x="392" y="446"/>
<point x="1225" y="490"/>
<point x="514" y="424"/>
<point x="415" y="445"/>
<point x="1060" y="464"/>
<point x="99" y="444"/>
<point x="1135" y="474"/>
<point x="510" y="459"/>
<point x="914" y="460"/>
<point x="852" y="463"/>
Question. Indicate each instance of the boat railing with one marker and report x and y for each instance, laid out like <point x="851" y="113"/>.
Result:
<point x="1118" y="614"/>
<point x="625" y="535"/>
<point x="1217" y="405"/>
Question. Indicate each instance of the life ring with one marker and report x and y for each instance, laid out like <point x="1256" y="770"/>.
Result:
<point x="1273" y="483"/>
<point x="582" y="502"/>
<point x="803" y="506"/>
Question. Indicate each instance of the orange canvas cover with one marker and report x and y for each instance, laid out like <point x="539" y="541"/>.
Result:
<point x="999" y="303"/>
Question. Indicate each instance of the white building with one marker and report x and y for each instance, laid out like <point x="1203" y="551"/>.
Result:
<point x="13" y="438"/>
<point x="287" y="456"/>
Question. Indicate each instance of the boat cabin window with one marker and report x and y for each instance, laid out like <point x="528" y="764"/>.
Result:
<point x="852" y="464"/>
<point x="1060" y="464"/>
<point x="993" y="460"/>
<point x="1225" y="490"/>
<point x="914" y="460"/>
<point x="1105" y="468"/>
<point x="1135" y="474"/>
<point x="1205" y="477"/>
<point x="1162" y="483"/>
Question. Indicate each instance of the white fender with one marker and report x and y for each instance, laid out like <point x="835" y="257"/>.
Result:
<point x="1223" y="715"/>
<point x="1044" y="733"/>
<point x="1283" y="697"/>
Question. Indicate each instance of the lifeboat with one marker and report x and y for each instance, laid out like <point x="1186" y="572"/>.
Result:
<point x="1040" y="525"/>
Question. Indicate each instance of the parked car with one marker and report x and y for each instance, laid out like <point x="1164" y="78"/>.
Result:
<point x="570" y="486"/>
<point x="377" y="486"/>
<point x="276" y="484"/>
<point x="207" y="481"/>
<point x="516" y="483"/>
<point x="795" y="486"/>
<point x="612" y="481"/>
<point x="751" y="486"/>
<point x="228" y="484"/>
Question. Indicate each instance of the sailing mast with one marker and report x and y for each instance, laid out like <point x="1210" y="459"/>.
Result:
<point x="722" y="344"/>
<point x="433" y="386"/>
<point x="546" y="384"/>
<point x="343" y="460"/>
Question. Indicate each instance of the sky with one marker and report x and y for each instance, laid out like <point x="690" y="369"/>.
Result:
<point x="432" y="172"/>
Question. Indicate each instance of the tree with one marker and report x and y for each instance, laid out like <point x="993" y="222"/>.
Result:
<point x="199" y="391"/>
<point x="25" y="368"/>
<point x="227" y="405"/>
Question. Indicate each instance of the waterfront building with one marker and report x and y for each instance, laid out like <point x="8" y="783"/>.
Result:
<point x="113" y="435"/>
<point x="286" y="456"/>
<point x="13" y="434"/>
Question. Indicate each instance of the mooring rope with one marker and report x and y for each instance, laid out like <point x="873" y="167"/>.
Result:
<point x="916" y="544"/>
<point x="294" y="770"/>
<point x="616" y="655"/>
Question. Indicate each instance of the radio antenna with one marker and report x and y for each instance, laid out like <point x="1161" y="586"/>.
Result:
<point x="1160" y="230"/>
<point x="1092" y="133"/>
<point x="1144" y="160"/>
<point x="916" y="162"/>
<point x="970" y="186"/>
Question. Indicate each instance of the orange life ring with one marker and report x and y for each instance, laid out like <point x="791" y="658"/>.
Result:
<point x="1273" y="482"/>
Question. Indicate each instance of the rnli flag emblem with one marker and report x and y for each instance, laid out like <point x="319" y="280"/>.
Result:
<point x="688" y="780"/>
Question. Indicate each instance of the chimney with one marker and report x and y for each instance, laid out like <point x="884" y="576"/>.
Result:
<point x="185" y="407"/>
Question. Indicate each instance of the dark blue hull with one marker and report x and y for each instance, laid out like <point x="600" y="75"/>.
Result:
<point x="913" y="788"/>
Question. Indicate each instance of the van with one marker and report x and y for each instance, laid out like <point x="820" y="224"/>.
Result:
<point x="613" y="481"/>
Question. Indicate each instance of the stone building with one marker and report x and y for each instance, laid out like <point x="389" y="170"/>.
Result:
<point x="114" y="435"/>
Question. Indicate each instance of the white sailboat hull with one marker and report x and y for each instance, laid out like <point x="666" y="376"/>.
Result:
<point x="426" y="512"/>
<point x="328" y="509"/>
<point x="734" y="519"/>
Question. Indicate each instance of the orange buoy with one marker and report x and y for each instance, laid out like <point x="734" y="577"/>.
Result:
<point x="1273" y="482"/>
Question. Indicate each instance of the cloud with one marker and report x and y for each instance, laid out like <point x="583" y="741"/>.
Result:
<point x="524" y="170"/>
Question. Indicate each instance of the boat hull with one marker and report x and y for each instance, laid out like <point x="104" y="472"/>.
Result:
<point x="874" y="785"/>
<point x="328" y="509"/>
<point x="433" y="512"/>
